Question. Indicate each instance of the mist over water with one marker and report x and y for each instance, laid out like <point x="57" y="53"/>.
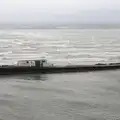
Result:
<point x="69" y="96"/>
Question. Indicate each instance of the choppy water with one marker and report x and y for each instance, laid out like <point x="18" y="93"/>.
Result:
<point x="66" y="46"/>
<point x="76" y="96"/>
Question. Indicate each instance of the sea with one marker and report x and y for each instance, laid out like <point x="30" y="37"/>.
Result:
<point x="65" y="96"/>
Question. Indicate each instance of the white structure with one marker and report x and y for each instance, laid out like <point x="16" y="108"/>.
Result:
<point x="26" y="63"/>
<point x="34" y="63"/>
<point x="46" y="64"/>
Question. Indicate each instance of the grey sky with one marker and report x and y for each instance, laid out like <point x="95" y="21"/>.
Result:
<point x="59" y="11"/>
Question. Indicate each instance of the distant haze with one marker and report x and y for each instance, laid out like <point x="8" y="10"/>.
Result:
<point x="59" y="11"/>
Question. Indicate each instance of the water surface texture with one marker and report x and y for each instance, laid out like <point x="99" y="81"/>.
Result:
<point x="60" y="46"/>
<point x="69" y="96"/>
<point x="86" y="96"/>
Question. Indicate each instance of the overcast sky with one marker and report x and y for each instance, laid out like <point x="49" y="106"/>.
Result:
<point x="76" y="11"/>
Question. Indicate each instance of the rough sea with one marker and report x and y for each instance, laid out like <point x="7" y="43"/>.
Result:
<point x="68" y="96"/>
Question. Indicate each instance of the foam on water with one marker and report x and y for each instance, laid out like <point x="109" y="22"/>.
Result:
<point x="72" y="96"/>
<point x="79" y="45"/>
